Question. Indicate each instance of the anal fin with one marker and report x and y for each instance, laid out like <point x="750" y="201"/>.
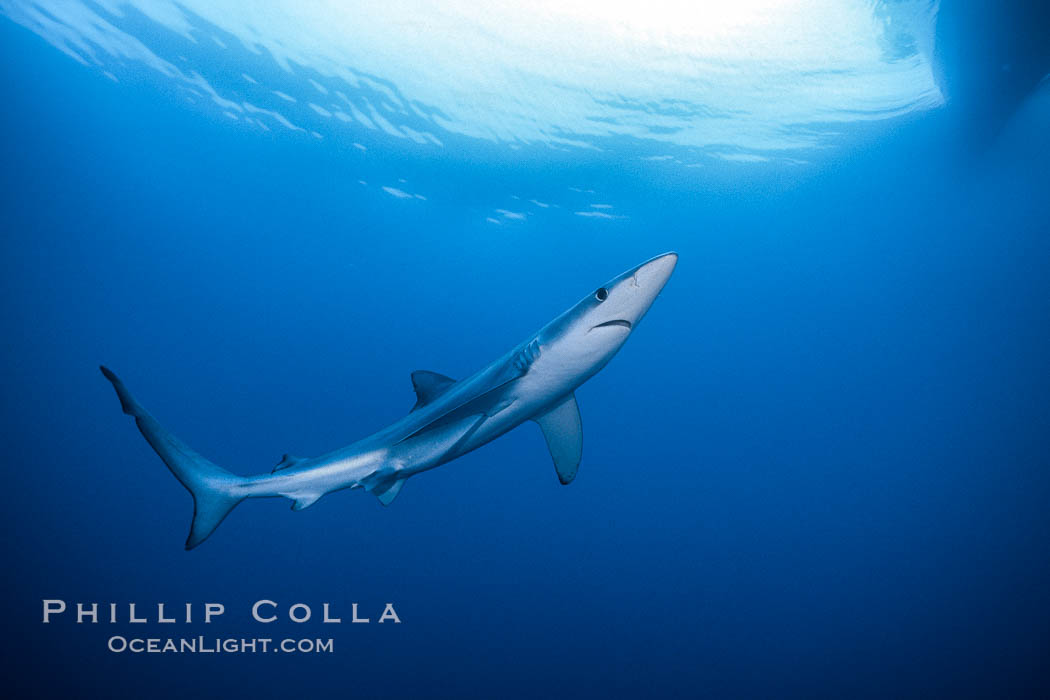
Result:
<point x="304" y="500"/>
<point x="387" y="494"/>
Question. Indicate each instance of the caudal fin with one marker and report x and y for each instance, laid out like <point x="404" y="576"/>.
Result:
<point x="215" y="491"/>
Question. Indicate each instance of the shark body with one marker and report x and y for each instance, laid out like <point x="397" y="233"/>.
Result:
<point x="535" y="381"/>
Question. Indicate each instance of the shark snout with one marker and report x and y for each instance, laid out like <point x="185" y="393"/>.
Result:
<point x="652" y="275"/>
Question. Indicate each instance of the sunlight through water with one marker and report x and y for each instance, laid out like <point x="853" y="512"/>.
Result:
<point x="747" y="81"/>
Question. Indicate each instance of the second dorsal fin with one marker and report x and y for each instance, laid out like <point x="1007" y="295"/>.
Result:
<point x="286" y="462"/>
<point x="429" y="386"/>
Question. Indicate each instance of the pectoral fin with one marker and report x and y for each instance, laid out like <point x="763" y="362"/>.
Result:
<point x="563" y="430"/>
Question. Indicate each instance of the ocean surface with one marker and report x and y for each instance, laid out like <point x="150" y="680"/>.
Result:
<point x="819" y="468"/>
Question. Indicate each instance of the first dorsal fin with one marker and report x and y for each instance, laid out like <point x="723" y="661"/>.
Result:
<point x="286" y="462"/>
<point x="429" y="386"/>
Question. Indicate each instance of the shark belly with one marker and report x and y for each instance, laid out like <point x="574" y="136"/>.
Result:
<point x="532" y="395"/>
<point x="316" y="477"/>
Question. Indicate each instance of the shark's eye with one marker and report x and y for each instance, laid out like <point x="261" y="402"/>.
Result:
<point x="602" y="294"/>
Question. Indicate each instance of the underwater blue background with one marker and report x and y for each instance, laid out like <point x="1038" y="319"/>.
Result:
<point x="818" y="469"/>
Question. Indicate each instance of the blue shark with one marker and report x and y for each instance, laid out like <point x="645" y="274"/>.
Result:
<point x="534" y="381"/>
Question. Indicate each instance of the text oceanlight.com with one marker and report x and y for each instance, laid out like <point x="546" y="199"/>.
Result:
<point x="205" y="645"/>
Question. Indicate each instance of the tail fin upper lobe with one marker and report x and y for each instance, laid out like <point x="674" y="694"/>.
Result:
<point x="215" y="491"/>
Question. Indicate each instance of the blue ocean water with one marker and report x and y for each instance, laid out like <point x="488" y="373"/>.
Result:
<point x="817" y="469"/>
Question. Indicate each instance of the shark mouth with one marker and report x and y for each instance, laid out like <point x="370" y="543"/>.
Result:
<point x="615" y="322"/>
